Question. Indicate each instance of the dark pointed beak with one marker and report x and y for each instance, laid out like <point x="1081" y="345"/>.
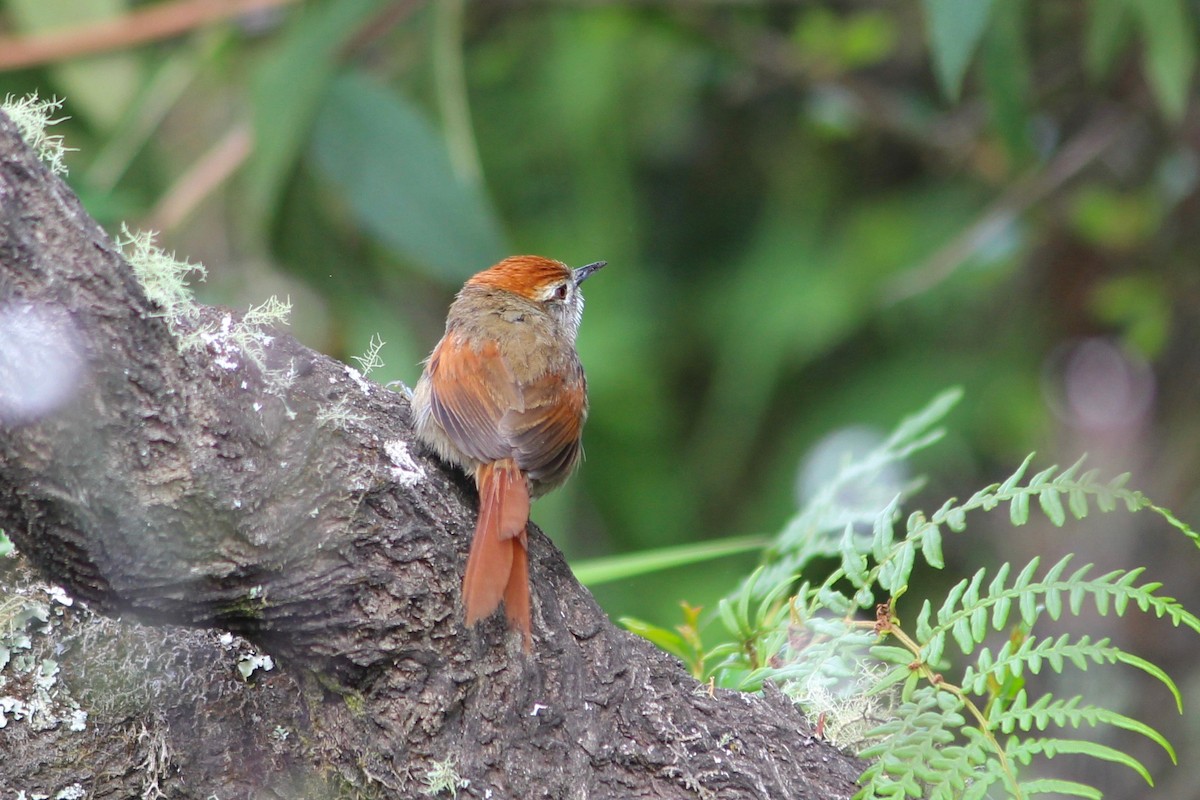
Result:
<point x="583" y="272"/>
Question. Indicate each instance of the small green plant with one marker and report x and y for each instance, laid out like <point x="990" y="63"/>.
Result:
<point x="443" y="778"/>
<point x="891" y="691"/>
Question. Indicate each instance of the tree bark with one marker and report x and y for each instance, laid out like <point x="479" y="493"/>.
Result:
<point x="267" y="490"/>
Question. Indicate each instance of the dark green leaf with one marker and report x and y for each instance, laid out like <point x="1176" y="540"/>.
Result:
<point x="393" y="170"/>
<point x="1107" y="33"/>
<point x="288" y="88"/>
<point x="1170" y="56"/>
<point x="1006" y="76"/>
<point x="955" y="29"/>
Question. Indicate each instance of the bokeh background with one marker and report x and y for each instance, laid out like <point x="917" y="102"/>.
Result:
<point x="817" y="216"/>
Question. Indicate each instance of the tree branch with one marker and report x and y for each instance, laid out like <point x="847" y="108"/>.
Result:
<point x="143" y="26"/>
<point x="271" y="492"/>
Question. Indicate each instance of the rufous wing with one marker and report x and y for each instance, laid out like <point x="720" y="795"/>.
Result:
<point x="471" y="389"/>
<point x="544" y="433"/>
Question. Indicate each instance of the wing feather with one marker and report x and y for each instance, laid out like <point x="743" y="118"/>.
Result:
<point x="489" y="415"/>
<point x="545" y="434"/>
<point x="470" y="392"/>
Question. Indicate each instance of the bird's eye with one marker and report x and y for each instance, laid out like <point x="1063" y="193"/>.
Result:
<point x="561" y="292"/>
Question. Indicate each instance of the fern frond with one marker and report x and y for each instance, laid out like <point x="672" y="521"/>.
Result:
<point x="938" y="742"/>
<point x="1059" y="787"/>
<point x="1032" y="652"/>
<point x="969" y="615"/>
<point x="920" y="754"/>
<point x="1048" y="710"/>
<point x="1022" y="751"/>
<point x="815" y="532"/>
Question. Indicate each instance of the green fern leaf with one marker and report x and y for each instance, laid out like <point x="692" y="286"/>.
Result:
<point x="923" y="626"/>
<point x="1052" y="506"/>
<point x="854" y="563"/>
<point x="892" y="655"/>
<point x="1018" y="509"/>
<point x="911" y="426"/>
<point x="985" y="498"/>
<point x="1004" y="602"/>
<point x="1077" y="502"/>
<point x="931" y="547"/>
<point x="1042" y="478"/>
<point x="1073" y="713"/>
<point x="1058" y="786"/>
<point x="1050" y="748"/>
<point x="883" y="532"/>
<point x="906" y="558"/>
<point x="1154" y="671"/>
<point x="1011" y="482"/>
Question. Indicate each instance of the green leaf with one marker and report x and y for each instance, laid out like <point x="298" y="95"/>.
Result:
<point x="955" y="29"/>
<point x="931" y="547"/>
<point x="1018" y="509"/>
<point x="286" y="91"/>
<point x="1059" y="786"/>
<point x="962" y="634"/>
<point x="893" y="655"/>
<point x="595" y="571"/>
<point x="1136" y="726"/>
<point x="1153" y="670"/>
<point x="894" y="676"/>
<point x="854" y="563"/>
<point x="1006" y="76"/>
<point x="729" y="618"/>
<point x="1106" y="35"/>
<point x="1053" y="747"/>
<point x="1011" y="482"/>
<point x="1077" y="502"/>
<point x="1170" y="54"/>
<point x="1052" y="505"/>
<point x="393" y="171"/>
<point x="667" y="640"/>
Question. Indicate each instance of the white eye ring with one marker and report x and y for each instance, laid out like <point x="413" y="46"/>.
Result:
<point x="560" y="292"/>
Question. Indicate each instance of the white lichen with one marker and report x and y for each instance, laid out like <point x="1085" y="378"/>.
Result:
<point x="339" y="415"/>
<point x="845" y="713"/>
<point x="249" y="663"/>
<point x="404" y="468"/>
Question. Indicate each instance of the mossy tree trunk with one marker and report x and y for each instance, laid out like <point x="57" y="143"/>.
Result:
<point x="187" y="492"/>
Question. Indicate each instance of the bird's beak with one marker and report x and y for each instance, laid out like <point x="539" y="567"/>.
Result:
<point x="583" y="272"/>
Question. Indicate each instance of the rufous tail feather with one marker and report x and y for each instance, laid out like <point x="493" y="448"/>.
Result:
<point x="516" y="593"/>
<point x="497" y="567"/>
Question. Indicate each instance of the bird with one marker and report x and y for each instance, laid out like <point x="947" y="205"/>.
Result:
<point x="503" y="396"/>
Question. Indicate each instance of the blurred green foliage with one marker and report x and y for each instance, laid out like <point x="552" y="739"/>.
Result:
<point x="816" y="215"/>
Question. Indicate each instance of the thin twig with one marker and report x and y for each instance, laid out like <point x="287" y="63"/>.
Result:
<point x="203" y="177"/>
<point x="1088" y="145"/>
<point x="148" y="24"/>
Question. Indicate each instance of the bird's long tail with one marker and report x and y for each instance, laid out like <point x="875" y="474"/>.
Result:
<point x="498" y="566"/>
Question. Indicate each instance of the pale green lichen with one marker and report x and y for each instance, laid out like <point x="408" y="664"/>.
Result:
<point x="442" y="777"/>
<point x="164" y="278"/>
<point x="33" y="116"/>
<point x="370" y="360"/>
